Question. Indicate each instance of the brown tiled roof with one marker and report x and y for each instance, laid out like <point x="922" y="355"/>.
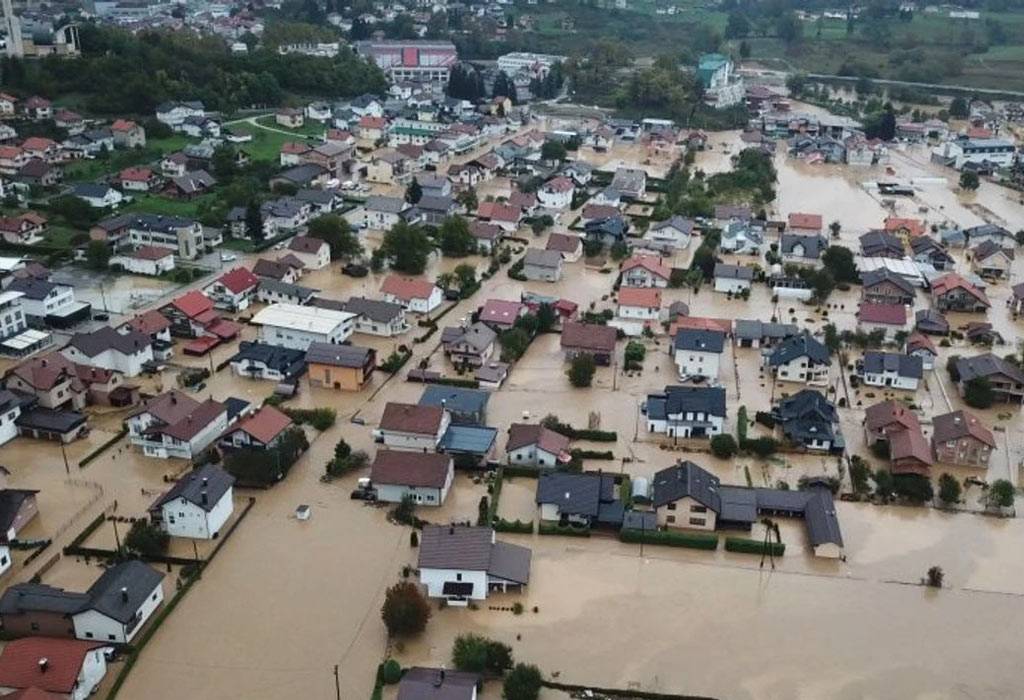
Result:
<point x="421" y="469"/>
<point x="888" y="415"/>
<point x="20" y="667"/>
<point x="410" y="418"/>
<point x="407" y="287"/>
<point x="306" y="244"/>
<point x="522" y="434"/>
<point x="955" y="425"/>
<point x="588" y="336"/>
<point x="909" y="444"/>
<point x="265" y="424"/>
<point x="564" y="242"/>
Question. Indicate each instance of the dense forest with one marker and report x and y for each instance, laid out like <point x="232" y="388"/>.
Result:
<point x="122" y="73"/>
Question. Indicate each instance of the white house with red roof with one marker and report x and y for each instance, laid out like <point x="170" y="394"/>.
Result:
<point x="639" y="303"/>
<point x="174" y="424"/>
<point x="128" y="134"/>
<point x="504" y="215"/>
<point x="64" y="668"/>
<point x="234" y="290"/>
<point x="536" y="446"/>
<point x="414" y="293"/>
<point x="262" y="430"/>
<point x="556" y="193"/>
<point x="140" y="179"/>
<point x="146" y="260"/>
<point x="501" y="314"/>
<point x="645" y="271"/>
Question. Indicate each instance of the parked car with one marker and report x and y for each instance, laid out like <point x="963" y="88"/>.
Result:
<point x="355" y="270"/>
<point x="228" y="257"/>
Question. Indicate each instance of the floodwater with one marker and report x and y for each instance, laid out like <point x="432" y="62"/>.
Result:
<point x="286" y="601"/>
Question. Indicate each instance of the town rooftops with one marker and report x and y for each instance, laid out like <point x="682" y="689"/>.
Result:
<point x="287" y="361"/>
<point x="310" y="319"/>
<point x="20" y="666"/>
<point x="576" y="494"/>
<point x="813" y="246"/>
<point x="649" y="263"/>
<point x="811" y="222"/>
<point x="412" y="418"/>
<point x="306" y="244"/>
<point x="908" y="366"/>
<point x="802" y="345"/>
<point x="416" y="469"/>
<point x="535" y="257"/>
<point x="588" y="337"/>
<point x="564" y="243"/>
<point x="420" y="683"/>
<point x="738" y="272"/>
<point x="950" y="281"/>
<point x="641" y="297"/>
<point x="374" y="310"/>
<point x="686" y="480"/>
<point x="22" y="598"/>
<point x="987" y="365"/>
<point x="338" y="355"/>
<point x="239" y="280"/>
<point x="501" y="311"/>
<point x="455" y="399"/>
<point x="987" y="248"/>
<point x="758" y="330"/>
<point x="473" y="549"/>
<point x="122" y="589"/>
<point x="958" y="424"/>
<point x="208" y="479"/>
<point x="407" y="288"/>
<point x="888" y="314"/>
<point x="890" y="415"/>
<point x="264" y="425"/>
<point x="106" y="338"/>
<point x="287" y="289"/>
<point x="193" y="303"/>
<point x="32" y="288"/>
<point x="699" y="340"/>
<point x="884" y="274"/>
<point x="524" y="434"/>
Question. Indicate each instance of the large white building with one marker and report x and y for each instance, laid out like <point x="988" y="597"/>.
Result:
<point x="538" y="65"/>
<point x="297" y="327"/>
<point x="197" y="506"/>
<point x="697" y="353"/>
<point x="723" y="87"/>
<point x="126" y="352"/>
<point x="411" y="60"/>
<point x="958" y="153"/>
<point x="120" y="602"/>
<point x="464" y="563"/>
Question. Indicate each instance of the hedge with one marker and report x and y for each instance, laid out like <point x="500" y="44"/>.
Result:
<point x="566" y="530"/>
<point x="748" y="546"/>
<point x="102" y="448"/>
<point x="319" y="418"/>
<point x="518" y="526"/>
<point x="691" y="540"/>
<point x="529" y="472"/>
<point x="592" y="454"/>
<point x="455" y="381"/>
<point x="583" y="434"/>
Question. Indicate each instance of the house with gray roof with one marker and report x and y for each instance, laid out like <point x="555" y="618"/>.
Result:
<point x="809" y="420"/>
<point x="802" y="249"/>
<point x="686" y="411"/>
<point x="265" y="361"/>
<point x="472" y="345"/>
<point x="669" y="235"/>
<point x="375" y="317"/>
<point x="462" y="563"/>
<point x="697" y="352"/>
<point x="742" y="238"/>
<point x="589" y="499"/>
<point x="419" y="683"/>
<point x="733" y="278"/>
<point x="1006" y="379"/>
<point x="883" y="286"/>
<point x="800" y="358"/>
<point x="761" y="334"/>
<point x="271" y="291"/>
<point x="197" y="506"/>
<point x="105" y="348"/>
<point x="542" y="265"/>
<point x="891" y="370"/>
<point x="466" y="406"/>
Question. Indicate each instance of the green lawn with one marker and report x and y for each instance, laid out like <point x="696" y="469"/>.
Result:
<point x="265" y="145"/>
<point x="91" y="170"/>
<point x="310" y="128"/>
<point x="153" y="204"/>
<point x="63" y="236"/>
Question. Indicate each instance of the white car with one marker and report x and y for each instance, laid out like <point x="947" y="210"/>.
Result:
<point x="228" y="257"/>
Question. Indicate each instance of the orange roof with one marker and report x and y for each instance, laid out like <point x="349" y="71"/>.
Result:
<point x="918" y="340"/>
<point x="10" y="152"/>
<point x="136" y="174"/>
<point x="723" y="325"/>
<point x="264" y="425"/>
<point x="149" y="323"/>
<point x="123" y="125"/>
<point x="499" y="212"/>
<point x="636" y="296"/>
<point x="805" y="221"/>
<point x="407" y="287"/>
<point x="294" y="147"/>
<point x="913" y="227"/>
<point x="151" y="252"/>
<point x="238" y="280"/>
<point x="369" y="122"/>
<point x="193" y="303"/>
<point x="38" y="143"/>
<point x="951" y="280"/>
<point x="649" y="263"/>
<point x="20" y="667"/>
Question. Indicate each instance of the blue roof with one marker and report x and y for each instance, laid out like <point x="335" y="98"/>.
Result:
<point x="470" y="439"/>
<point x="455" y="399"/>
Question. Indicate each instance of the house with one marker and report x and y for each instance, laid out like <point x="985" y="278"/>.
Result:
<point x="290" y="118"/>
<point x="810" y="421"/>
<point x="501" y="314"/>
<point x="882" y="286"/>
<point x="146" y="260"/>
<point x="420" y="683"/>
<point x="951" y="292"/>
<point x="879" y="244"/>
<point x="805" y="224"/>
<point x="181" y="235"/>
<point x="556" y="193"/>
<point x="761" y="334"/>
<point x="639" y="304"/>
<point x="506" y="216"/>
<point x="173" y="114"/>
<point x="465" y="406"/>
<point x="686" y="411"/>
<point x="588" y="339"/>
<point x="424" y="477"/>
<point x="96" y="195"/>
<point x="191" y="315"/>
<point x="378" y="212"/>
<point x="46" y="424"/>
<point x="733" y="279"/>
<point x="532" y="445"/>
<point x="931" y="322"/>
<point x="375" y="317"/>
<point x="303" y="175"/>
<point x="174" y="424"/>
<point x="47" y="303"/>
<point x="118" y="603"/>
<point x="542" y="265"/>
<point x="888" y="318"/>
<point x="51" y="379"/>
<point x="886" y="418"/>
<point x="487" y="235"/>
<point x="568" y="245"/>
<point x="800" y="358"/>
<point x="234" y="290"/>
<point x="922" y="347"/>
<point x="960" y="438"/>
<point x="607" y="231"/>
<point x="415" y="294"/>
<point x="189" y="185"/>
<point x="105" y="348"/>
<point x="343" y="367"/>
<point x="197" y="506"/>
<point x="925" y="249"/>
<point x="265" y="429"/>
<point x="314" y="253"/>
<point x="742" y="238"/>
<point x="410" y="427"/>
<point x="281" y="270"/>
<point x="296" y="327"/>
<point x="17" y="508"/>
<point x="785" y="287"/>
<point x="697" y="353"/>
<point x="891" y="370"/>
<point x="491" y="375"/>
<point x="469" y="346"/>
<point x="989" y="259"/>
<point x="128" y="134"/>
<point x="24" y="229"/>
<point x="463" y="563"/>
<point x="138" y="179"/>
<point x="903" y="228"/>
<point x="43" y="668"/>
<point x="631" y="183"/>
<point x="596" y="212"/>
<point x="586" y="499"/>
<point x="272" y="362"/>
<point x="802" y="249"/>
<point x="1006" y="379"/>
<point x="645" y="271"/>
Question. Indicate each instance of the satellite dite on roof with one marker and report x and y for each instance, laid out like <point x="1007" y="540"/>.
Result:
<point x="303" y="512"/>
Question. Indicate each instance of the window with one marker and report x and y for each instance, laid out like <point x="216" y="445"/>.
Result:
<point x="34" y="626"/>
<point x="700" y="522"/>
<point x="671" y="506"/>
<point x="89" y="635"/>
<point x="458" y="577"/>
<point x="698" y="509"/>
<point x="111" y="637"/>
<point x="670" y="519"/>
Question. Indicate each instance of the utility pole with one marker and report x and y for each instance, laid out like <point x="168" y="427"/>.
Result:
<point x="64" y="454"/>
<point x="117" y="537"/>
<point x="337" y="683"/>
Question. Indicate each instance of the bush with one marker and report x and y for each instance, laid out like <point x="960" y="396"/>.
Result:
<point x="935" y="577"/>
<point x="763" y="447"/>
<point x="1000" y="494"/>
<point x="566" y="530"/>
<point x="635" y="353"/>
<point x="405" y="610"/>
<point x="691" y="540"/>
<point x="147" y="539"/>
<point x="394" y="362"/>
<point x="472" y="652"/>
<point x="859" y="475"/>
<point x="978" y="393"/>
<point x="592" y="454"/>
<point x="949" y="489"/>
<point x="265" y="467"/>
<point x="405" y="512"/>
<point x="723" y="446"/>
<point x="390" y="672"/>
<point x="320" y="418"/>
<point x="516" y="526"/>
<point x="523" y="683"/>
<point x="744" y="545"/>
<point x="913" y="487"/>
<point x="552" y="422"/>
<point x="581" y="371"/>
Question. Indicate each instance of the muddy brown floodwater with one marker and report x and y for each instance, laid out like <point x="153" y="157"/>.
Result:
<point x="285" y="601"/>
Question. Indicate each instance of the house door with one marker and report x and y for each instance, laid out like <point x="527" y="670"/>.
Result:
<point x="698" y="432"/>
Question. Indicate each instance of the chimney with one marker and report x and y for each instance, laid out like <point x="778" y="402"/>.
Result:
<point x="206" y="481"/>
<point x="440" y="678"/>
<point x="451" y="529"/>
<point x="44" y="663"/>
<point x="124" y="594"/>
<point x="202" y="496"/>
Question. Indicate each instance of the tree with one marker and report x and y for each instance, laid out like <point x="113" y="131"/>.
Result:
<point x="146" y="539"/>
<point x="336" y="232"/>
<point x="859" y="475"/>
<point x="1000" y="494"/>
<point x="553" y="150"/>
<point x="254" y="221"/>
<point x="413" y="193"/>
<point x="523" y="683"/>
<point x="467" y="198"/>
<point x="514" y="343"/>
<point x="581" y="370"/>
<point x="913" y="487"/>
<point x="723" y="445"/>
<point x="546" y="318"/>
<point x="887" y="125"/>
<point x="949" y="489"/>
<point x="405" y="610"/>
<point x="477" y="654"/>
<point x="969" y="181"/>
<point x="832" y="339"/>
<point x="75" y="211"/>
<point x="958" y="108"/>
<point x="883" y="483"/>
<point x="835" y="227"/>
<point x="744" y="49"/>
<point x="224" y="164"/>
<point x="406" y="247"/>
<point x="934" y="577"/>
<point x="465" y="276"/>
<point x="838" y="260"/>
<point x="788" y="28"/>
<point x="455" y="239"/>
<point x="978" y="393"/>
<point x="504" y="87"/>
<point x="634" y="354"/>
<point x="97" y="255"/>
<point x="737" y="26"/>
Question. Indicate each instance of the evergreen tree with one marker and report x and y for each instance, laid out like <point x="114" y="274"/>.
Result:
<point x="254" y="221"/>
